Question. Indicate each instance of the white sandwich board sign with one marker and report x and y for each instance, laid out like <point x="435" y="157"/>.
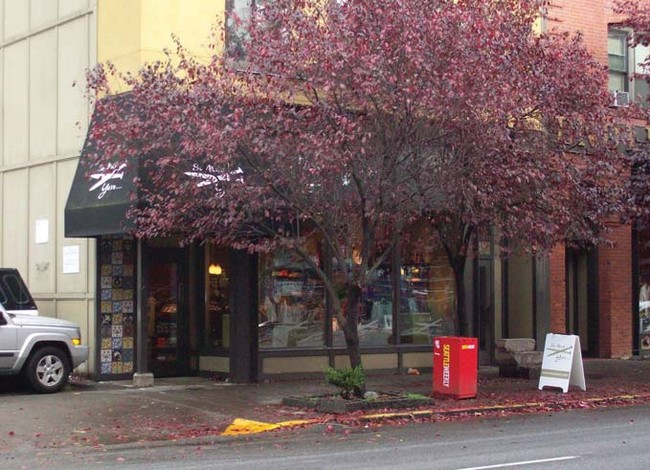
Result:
<point x="562" y="363"/>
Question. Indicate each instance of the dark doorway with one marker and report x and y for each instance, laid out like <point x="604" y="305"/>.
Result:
<point x="167" y="312"/>
<point x="581" y="313"/>
<point x="485" y="310"/>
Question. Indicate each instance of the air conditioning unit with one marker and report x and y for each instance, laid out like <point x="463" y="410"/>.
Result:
<point x="620" y="98"/>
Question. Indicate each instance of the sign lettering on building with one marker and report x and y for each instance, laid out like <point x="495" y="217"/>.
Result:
<point x="208" y="175"/>
<point x="105" y="179"/>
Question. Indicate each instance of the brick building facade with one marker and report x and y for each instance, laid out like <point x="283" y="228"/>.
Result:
<point x="607" y="282"/>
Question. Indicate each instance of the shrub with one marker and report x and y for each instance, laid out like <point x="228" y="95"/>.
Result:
<point x="351" y="382"/>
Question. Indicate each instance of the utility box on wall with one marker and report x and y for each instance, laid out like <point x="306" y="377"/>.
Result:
<point x="455" y="366"/>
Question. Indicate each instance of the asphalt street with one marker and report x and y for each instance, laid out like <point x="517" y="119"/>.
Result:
<point x="184" y="421"/>
<point x="605" y="438"/>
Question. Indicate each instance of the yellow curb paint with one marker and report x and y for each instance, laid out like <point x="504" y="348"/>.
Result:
<point x="513" y="406"/>
<point x="297" y="422"/>
<point x="452" y="410"/>
<point x="398" y="415"/>
<point x="245" y="426"/>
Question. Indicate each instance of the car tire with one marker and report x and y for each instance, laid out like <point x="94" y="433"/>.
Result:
<point x="47" y="370"/>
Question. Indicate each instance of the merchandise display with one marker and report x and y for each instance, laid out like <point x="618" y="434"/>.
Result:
<point x="292" y="304"/>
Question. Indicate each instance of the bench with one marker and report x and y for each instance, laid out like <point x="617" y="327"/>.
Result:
<point x="517" y="357"/>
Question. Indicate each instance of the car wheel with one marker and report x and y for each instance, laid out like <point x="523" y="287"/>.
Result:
<point x="47" y="370"/>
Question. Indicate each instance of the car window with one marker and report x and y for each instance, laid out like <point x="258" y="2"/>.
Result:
<point x="14" y="294"/>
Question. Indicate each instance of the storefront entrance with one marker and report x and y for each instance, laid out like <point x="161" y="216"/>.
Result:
<point x="167" y="312"/>
<point x="581" y="314"/>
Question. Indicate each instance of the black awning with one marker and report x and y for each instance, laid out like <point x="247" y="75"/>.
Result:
<point x="100" y="195"/>
<point x="103" y="187"/>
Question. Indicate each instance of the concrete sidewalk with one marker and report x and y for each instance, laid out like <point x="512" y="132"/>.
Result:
<point x="91" y="414"/>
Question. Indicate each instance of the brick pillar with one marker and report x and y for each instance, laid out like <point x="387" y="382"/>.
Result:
<point x="557" y="289"/>
<point x="615" y="295"/>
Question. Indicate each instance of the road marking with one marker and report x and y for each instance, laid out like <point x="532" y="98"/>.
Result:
<point x="525" y="462"/>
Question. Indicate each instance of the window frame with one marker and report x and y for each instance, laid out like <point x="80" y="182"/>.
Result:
<point x="630" y="62"/>
<point x="625" y="70"/>
<point x="228" y="28"/>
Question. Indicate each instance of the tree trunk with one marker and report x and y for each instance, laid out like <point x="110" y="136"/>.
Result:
<point x="351" y="331"/>
<point x="461" y="323"/>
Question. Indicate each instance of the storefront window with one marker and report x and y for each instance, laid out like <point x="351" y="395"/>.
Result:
<point x="291" y="300"/>
<point x="427" y="294"/>
<point x="375" y="313"/>
<point x="217" y="315"/>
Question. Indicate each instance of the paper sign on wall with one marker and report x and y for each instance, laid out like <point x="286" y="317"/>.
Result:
<point x="71" y="259"/>
<point x="41" y="231"/>
<point x="562" y="363"/>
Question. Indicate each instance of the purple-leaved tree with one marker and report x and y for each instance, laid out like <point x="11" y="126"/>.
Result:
<point x="635" y="15"/>
<point x="354" y="120"/>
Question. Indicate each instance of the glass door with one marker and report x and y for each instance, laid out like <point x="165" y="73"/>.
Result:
<point x="166" y="312"/>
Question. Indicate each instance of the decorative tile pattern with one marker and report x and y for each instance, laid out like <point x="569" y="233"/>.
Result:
<point x="116" y="315"/>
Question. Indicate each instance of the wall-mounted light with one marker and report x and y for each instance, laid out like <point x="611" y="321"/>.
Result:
<point x="215" y="270"/>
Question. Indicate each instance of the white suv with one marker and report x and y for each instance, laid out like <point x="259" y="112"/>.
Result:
<point x="44" y="350"/>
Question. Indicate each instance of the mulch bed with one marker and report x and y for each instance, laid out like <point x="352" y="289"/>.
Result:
<point x="337" y="405"/>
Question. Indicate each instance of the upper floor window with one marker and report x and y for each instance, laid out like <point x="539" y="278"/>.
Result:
<point x="624" y="62"/>
<point x="237" y="26"/>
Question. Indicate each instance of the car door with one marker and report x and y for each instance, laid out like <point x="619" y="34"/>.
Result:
<point x="8" y="342"/>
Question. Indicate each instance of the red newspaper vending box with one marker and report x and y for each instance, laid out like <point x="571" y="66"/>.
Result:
<point x="455" y="366"/>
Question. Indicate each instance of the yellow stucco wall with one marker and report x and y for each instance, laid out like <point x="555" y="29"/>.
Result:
<point x="131" y="33"/>
<point x="540" y="25"/>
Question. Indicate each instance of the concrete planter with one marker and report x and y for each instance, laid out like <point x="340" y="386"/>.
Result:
<point x="337" y="405"/>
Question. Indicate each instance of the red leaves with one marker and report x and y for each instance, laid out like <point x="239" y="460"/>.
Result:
<point x="367" y="117"/>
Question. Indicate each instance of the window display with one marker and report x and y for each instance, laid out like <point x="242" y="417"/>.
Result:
<point x="163" y="315"/>
<point x="292" y="311"/>
<point x="292" y="301"/>
<point x="375" y="313"/>
<point x="427" y="303"/>
<point x="427" y="297"/>
<point x="217" y="315"/>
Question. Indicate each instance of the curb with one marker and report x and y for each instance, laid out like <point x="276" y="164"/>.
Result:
<point x="487" y="408"/>
<point x="241" y="429"/>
